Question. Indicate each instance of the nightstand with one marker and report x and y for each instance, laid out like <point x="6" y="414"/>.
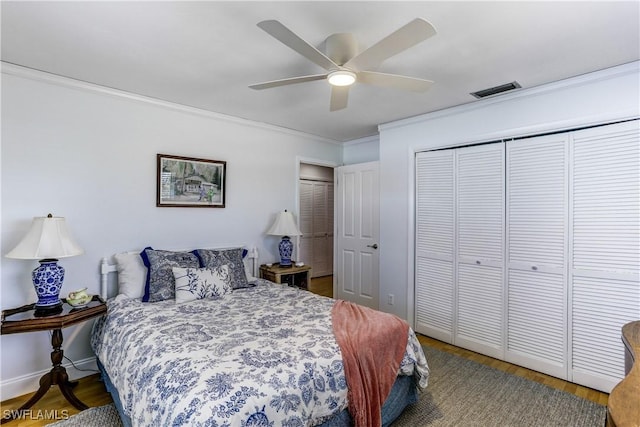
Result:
<point x="292" y="276"/>
<point x="24" y="319"/>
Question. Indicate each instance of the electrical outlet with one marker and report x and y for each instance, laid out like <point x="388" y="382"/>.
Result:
<point x="390" y="299"/>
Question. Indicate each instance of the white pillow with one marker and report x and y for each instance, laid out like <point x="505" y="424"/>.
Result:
<point x="200" y="283"/>
<point x="132" y="274"/>
<point x="248" y="264"/>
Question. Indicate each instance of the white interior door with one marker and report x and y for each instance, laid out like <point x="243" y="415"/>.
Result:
<point x="604" y="267"/>
<point x="536" y="213"/>
<point x="479" y="250"/>
<point x="435" y="244"/>
<point x="357" y="230"/>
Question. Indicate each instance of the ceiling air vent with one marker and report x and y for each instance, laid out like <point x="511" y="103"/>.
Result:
<point x="496" y="90"/>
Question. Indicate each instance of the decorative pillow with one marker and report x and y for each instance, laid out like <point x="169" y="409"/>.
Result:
<point x="248" y="267"/>
<point x="199" y="283"/>
<point x="132" y="274"/>
<point x="213" y="258"/>
<point x="160" y="284"/>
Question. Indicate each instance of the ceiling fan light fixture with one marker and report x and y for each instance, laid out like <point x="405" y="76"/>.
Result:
<point x="341" y="78"/>
<point x="341" y="57"/>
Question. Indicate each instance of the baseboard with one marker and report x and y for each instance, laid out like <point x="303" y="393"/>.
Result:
<point x="26" y="384"/>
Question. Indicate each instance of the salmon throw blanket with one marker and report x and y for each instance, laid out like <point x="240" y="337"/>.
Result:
<point x="373" y="344"/>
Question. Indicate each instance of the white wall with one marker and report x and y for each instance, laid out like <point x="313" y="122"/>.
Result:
<point x="362" y="150"/>
<point x="89" y="154"/>
<point x="590" y="99"/>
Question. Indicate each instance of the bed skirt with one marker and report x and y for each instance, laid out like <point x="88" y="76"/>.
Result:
<point x="403" y="393"/>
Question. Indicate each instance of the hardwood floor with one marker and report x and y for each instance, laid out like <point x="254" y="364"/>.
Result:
<point x="54" y="407"/>
<point x="91" y="390"/>
<point x="578" y="390"/>
<point x="322" y="286"/>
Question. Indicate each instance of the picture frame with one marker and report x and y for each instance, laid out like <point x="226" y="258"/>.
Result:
<point x="190" y="182"/>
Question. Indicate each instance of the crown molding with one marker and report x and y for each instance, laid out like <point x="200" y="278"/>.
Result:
<point x="606" y="74"/>
<point x="363" y="140"/>
<point x="55" y="79"/>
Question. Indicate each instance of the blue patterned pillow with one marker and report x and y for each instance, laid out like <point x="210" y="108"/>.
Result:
<point x="213" y="258"/>
<point x="200" y="283"/>
<point x="160" y="284"/>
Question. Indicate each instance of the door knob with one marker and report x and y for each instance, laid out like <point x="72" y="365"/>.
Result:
<point x="374" y="246"/>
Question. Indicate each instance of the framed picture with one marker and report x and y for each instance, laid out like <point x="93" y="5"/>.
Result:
<point x="190" y="182"/>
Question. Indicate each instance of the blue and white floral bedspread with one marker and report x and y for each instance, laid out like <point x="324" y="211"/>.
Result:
<point x="262" y="356"/>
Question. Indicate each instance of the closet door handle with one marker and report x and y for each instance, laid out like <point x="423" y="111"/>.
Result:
<point x="533" y="267"/>
<point x="374" y="246"/>
<point x="478" y="262"/>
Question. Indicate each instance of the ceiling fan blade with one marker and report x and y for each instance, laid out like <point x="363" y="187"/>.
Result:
<point x="288" y="81"/>
<point x="402" y="39"/>
<point x="289" y="38"/>
<point x="339" y="97"/>
<point x="394" y="81"/>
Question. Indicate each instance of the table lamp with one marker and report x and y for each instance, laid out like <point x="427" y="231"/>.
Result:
<point x="47" y="240"/>
<point x="285" y="226"/>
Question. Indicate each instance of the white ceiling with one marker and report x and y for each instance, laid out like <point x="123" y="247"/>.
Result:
<point x="205" y="54"/>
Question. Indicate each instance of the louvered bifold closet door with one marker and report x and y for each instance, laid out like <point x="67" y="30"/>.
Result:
<point x="330" y="233"/>
<point x="435" y="222"/>
<point x="316" y="226"/>
<point x="322" y="252"/>
<point x="480" y="237"/>
<point x="536" y="178"/>
<point x="605" y="249"/>
<point x="305" y="251"/>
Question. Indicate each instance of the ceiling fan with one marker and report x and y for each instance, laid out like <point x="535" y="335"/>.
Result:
<point x="345" y="66"/>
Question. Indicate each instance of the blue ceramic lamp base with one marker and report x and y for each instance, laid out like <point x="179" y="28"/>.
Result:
<point x="286" y="249"/>
<point x="47" y="280"/>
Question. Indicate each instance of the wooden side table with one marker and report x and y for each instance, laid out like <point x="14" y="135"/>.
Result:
<point x="24" y="319"/>
<point x="292" y="276"/>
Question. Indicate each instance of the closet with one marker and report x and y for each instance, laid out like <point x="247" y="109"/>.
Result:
<point x="316" y="218"/>
<point x="529" y="250"/>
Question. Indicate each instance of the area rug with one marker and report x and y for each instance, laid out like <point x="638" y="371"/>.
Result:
<point x="461" y="393"/>
<point x="99" y="416"/>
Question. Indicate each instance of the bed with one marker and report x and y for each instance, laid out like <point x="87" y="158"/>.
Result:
<point x="253" y="353"/>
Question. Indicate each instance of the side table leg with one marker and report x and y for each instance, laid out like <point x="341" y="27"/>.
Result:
<point x="45" y="385"/>
<point x="66" y="387"/>
<point x="57" y="376"/>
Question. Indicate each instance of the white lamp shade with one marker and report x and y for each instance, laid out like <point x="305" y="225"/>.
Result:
<point x="284" y="225"/>
<point x="48" y="237"/>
